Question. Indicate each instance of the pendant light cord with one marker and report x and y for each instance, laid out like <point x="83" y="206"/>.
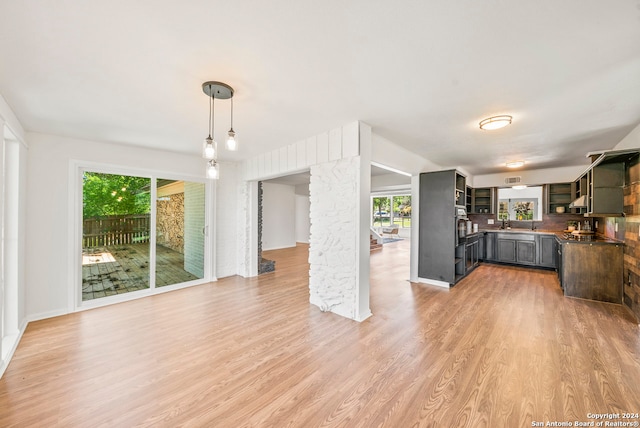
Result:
<point x="232" y="112"/>
<point x="210" y="110"/>
<point x="213" y="113"/>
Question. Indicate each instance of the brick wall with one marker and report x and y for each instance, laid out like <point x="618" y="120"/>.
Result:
<point x="548" y="222"/>
<point x="631" y="239"/>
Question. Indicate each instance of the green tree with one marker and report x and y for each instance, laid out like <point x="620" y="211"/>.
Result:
<point x="381" y="204"/>
<point x="110" y="194"/>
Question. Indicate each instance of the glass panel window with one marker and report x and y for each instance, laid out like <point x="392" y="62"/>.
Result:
<point x="115" y="234"/>
<point x="381" y="211"/>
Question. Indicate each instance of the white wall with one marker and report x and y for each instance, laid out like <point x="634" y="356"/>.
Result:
<point x="49" y="208"/>
<point x="390" y="154"/>
<point x="631" y="141"/>
<point x="278" y="216"/>
<point x="194" y="228"/>
<point x="390" y="182"/>
<point x="532" y="177"/>
<point x="229" y="223"/>
<point x="303" y="223"/>
<point x="13" y="194"/>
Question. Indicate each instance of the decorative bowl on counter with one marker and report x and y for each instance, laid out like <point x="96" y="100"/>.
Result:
<point x="560" y="210"/>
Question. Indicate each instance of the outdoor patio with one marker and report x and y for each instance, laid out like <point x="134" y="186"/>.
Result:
<point x="119" y="269"/>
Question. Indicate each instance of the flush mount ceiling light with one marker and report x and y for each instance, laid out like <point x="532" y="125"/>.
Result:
<point x="515" y="164"/>
<point x="221" y="91"/>
<point x="495" y="122"/>
<point x="519" y="187"/>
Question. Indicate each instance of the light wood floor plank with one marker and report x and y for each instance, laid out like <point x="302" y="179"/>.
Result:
<point x="503" y="347"/>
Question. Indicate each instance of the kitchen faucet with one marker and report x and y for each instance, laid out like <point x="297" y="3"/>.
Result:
<point x="533" y="225"/>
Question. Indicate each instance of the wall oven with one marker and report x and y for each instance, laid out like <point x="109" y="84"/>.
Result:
<point x="461" y="224"/>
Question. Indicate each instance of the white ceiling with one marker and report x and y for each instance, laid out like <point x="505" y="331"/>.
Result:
<point x="421" y="73"/>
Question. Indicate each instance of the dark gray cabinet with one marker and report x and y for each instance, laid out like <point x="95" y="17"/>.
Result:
<point x="489" y="246"/>
<point x="472" y="252"/>
<point x="560" y="263"/>
<point x="547" y="248"/>
<point x="526" y="252"/>
<point x="521" y="248"/>
<point x="506" y="250"/>
<point x="482" y="200"/>
<point x="482" y="243"/>
<point x="439" y="256"/>
<point x="518" y="248"/>
<point x="559" y="196"/>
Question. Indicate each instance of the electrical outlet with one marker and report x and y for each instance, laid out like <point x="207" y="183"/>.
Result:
<point x="490" y="221"/>
<point x="616" y="227"/>
<point x="596" y="226"/>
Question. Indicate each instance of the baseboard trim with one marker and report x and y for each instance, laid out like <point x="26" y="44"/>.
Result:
<point x="5" y="362"/>
<point x="45" y="315"/>
<point x="435" y="282"/>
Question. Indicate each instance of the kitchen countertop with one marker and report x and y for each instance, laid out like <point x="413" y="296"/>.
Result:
<point x="560" y="235"/>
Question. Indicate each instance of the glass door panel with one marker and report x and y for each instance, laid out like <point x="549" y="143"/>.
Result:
<point x="115" y="234"/>
<point x="180" y="226"/>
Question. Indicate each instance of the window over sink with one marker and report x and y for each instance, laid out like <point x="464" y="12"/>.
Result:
<point x="520" y="204"/>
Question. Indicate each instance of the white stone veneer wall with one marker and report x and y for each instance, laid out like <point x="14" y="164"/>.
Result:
<point x="340" y="157"/>
<point x="333" y="241"/>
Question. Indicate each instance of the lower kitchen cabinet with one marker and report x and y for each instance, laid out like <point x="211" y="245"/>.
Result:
<point x="521" y="248"/>
<point x="472" y="253"/>
<point x="584" y="273"/>
<point x="517" y="248"/>
<point x="548" y="248"/>
<point x="482" y="243"/>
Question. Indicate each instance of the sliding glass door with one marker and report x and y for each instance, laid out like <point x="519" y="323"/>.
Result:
<point x="126" y="238"/>
<point x="180" y="231"/>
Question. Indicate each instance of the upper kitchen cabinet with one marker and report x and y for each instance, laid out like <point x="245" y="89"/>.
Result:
<point x="482" y="200"/>
<point x="604" y="190"/>
<point x="558" y="197"/>
<point x="607" y="181"/>
<point x="601" y="188"/>
<point x="461" y="187"/>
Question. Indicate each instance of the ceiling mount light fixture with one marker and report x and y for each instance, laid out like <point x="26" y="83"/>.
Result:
<point x="221" y="91"/>
<point x="495" y="122"/>
<point x="515" y="164"/>
<point x="519" y="187"/>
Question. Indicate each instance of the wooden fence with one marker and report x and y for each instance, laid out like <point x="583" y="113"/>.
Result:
<point x="115" y="230"/>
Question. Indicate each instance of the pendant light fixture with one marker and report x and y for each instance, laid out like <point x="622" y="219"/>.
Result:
<point x="221" y="91"/>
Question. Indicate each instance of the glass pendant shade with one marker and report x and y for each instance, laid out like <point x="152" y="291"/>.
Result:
<point x="232" y="144"/>
<point x="213" y="170"/>
<point x="209" y="149"/>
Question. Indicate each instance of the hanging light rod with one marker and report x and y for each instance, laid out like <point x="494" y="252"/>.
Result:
<point x="216" y="90"/>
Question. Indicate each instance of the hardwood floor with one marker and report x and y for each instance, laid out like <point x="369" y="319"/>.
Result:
<point x="503" y="348"/>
